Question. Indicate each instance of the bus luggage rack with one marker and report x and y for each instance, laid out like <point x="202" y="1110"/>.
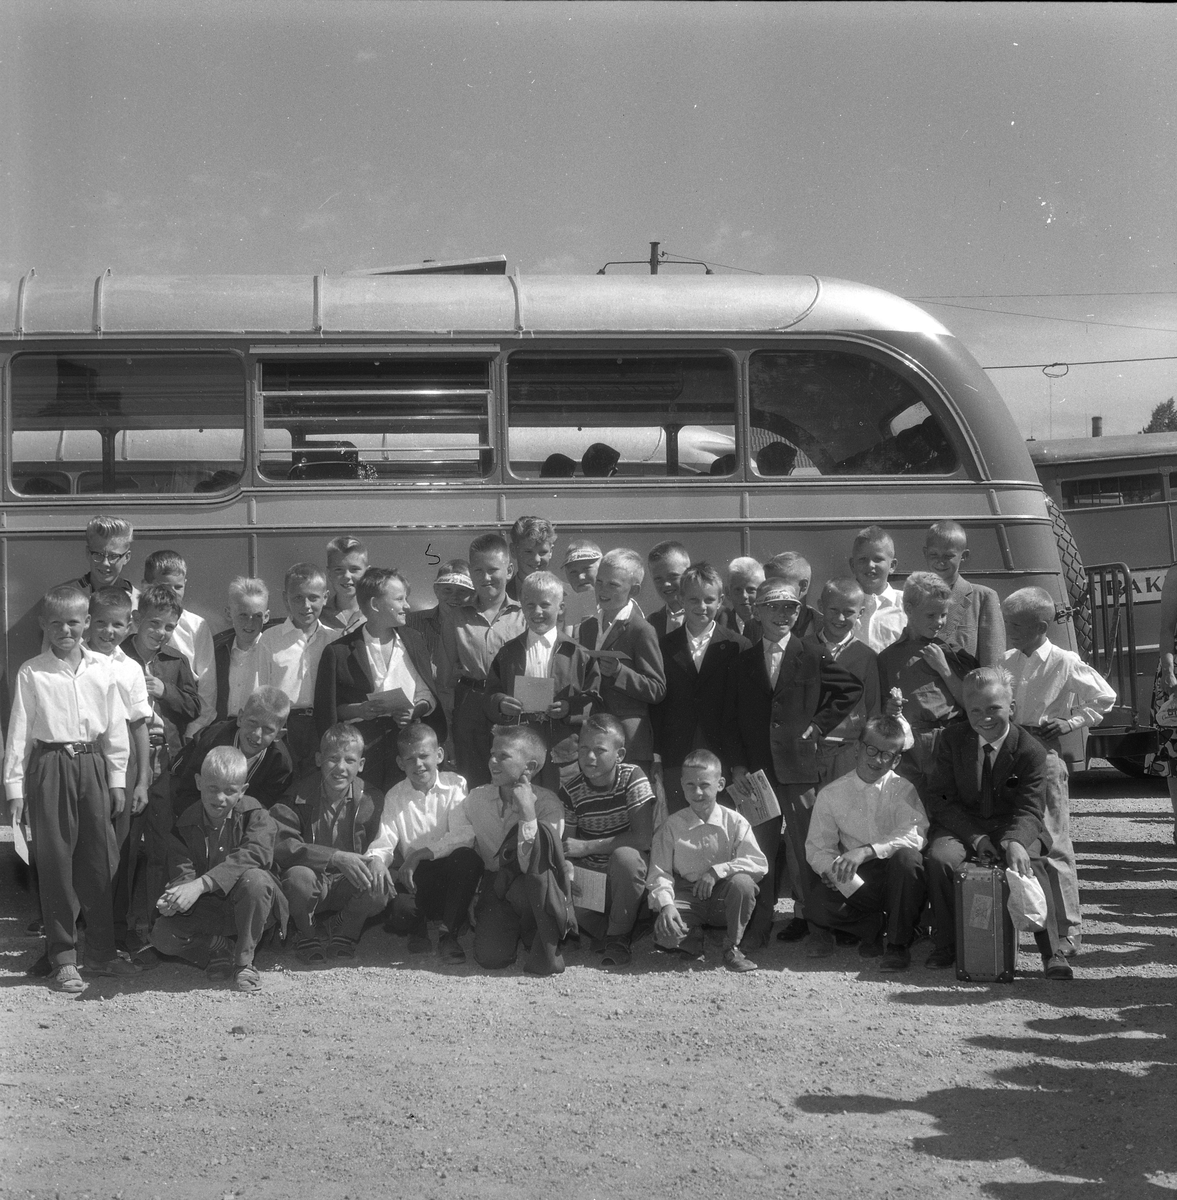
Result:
<point x="1119" y="736"/>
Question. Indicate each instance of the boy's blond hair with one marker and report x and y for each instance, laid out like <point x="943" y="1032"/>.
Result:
<point x="626" y="560"/>
<point x="269" y="702"/>
<point x="226" y="763"/>
<point x="543" y="582"/>
<point x="109" y="529"/>
<point x="922" y="586"/>
<point x="1033" y="600"/>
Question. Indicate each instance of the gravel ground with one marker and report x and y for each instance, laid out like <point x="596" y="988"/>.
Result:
<point x="400" y="1077"/>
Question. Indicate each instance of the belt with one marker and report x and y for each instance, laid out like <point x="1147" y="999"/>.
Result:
<point x="71" y="748"/>
<point x="475" y="685"/>
<point x="302" y="712"/>
<point x="157" y="739"/>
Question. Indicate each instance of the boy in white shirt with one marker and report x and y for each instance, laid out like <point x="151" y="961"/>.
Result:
<point x="872" y="559"/>
<point x="192" y="636"/>
<point x="869" y="825"/>
<point x="236" y="650"/>
<point x="437" y="868"/>
<point x="288" y="658"/>
<point x="1055" y="693"/>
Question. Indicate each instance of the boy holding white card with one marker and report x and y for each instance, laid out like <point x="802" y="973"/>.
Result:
<point x="543" y="678"/>
<point x="609" y="823"/>
<point x="866" y="832"/>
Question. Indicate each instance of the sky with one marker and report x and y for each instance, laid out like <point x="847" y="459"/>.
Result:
<point x="1013" y="159"/>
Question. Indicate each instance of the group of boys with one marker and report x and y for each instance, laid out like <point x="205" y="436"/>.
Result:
<point x="291" y="771"/>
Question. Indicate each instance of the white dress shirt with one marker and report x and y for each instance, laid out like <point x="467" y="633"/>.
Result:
<point x="392" y="668"/>
<point x="243" y="667"/>
<point x="132" y="685"/>
<point x="882" y="620"/>
<point x="850" y="813"/>
<point x="538" y="658"/>
<point x="288" y="659"/>
<point x="603" y="627"/>
<point x="416" y="820"/>
<point x="698" y="645"/>
<point x="1053" y="683"/>
<point x="56" y="703"/>
<point x="193" y="638"/>
<point x="774" y="653"/>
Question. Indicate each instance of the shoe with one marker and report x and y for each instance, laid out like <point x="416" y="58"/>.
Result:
<point x="309" y="949"/>
<point x="939" y="959"/>
<point x="419" y="943"/>
<point x="1057" y="968"/>
<point x="872" y="948"/>
<point x="617" y="954"/>
<point x="220" y="960"/>
<point x="67" y="979"/>
<point x="821" y="943"/>
<point x="146" y="958"/>
<point x="341" y="945"/>
<point x="449" y="949"/>
<point x="734" y="960"/>
<point x="1068" y="947"/>
<point x="897" y="958"/>
<point x="247" y="979"/>
<point x="118" y="967"/>
<point x="794" y="931"/>
<point x="842" y="938"/>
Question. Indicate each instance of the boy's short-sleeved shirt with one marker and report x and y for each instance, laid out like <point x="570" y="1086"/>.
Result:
<point x="605" y="812"/>
<point x="132" y="686"/>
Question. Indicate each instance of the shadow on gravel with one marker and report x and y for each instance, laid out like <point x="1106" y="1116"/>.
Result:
<point x="1068" y="1111"/>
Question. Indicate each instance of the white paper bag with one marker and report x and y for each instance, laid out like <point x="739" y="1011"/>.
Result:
<point x="1027" y="902"/>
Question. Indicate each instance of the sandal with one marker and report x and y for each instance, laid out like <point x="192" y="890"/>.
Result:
<point x="220" y="960"/>
<point x="247" y="979"/>
<point x="342" y="946"/>
<point x="309" y="949"/>
<point x="617" y="954"/>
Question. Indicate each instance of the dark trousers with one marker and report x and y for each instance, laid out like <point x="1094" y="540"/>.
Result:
<point x="795" y="815"/>
<point x="520" y="915"/>
<point x="945" y="855"/>
<point x="729" y="906"/>
<point x="312" y="894"/>
<point x="444" y="889"/>
<point x="892" y="887"/>
<point x="68" y="806"/>
<point x="302" y="741"/>
<point x="131" y="904"/>
<point x="245" y="913"/>
<point x="472" y="734"/>
<point x="625" y="885"/>
<point x="158" y="818"/>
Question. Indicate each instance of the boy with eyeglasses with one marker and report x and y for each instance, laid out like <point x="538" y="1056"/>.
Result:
<point x="869" y="826"/>
<point x="108" y="550"/>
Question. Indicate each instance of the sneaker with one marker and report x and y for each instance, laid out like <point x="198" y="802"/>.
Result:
<point x="897" y="958"/>
<point x="247" y="979"/>
<point x="67" y="979"/>
<point x="1057" y="968"/>
<point x="821" y="943"/>
<point x="939" y="959"/>
<point x="734" y="960"/>
<point x="794" y="931"/>
<point x="118" y="967"/>
<point x="449" y="949"/>
<point x="871" y="948"/>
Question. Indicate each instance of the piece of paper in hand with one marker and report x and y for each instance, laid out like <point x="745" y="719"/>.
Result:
<point x="756" y="800"/>
<point x="393" y="700"/>
<point x="849" y="888"/>
<point x="21" y="845"/>
<point x="536" y="695"/>
<point x="588" y="889"/>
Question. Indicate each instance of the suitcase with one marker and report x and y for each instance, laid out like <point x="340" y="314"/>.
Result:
<point x="986" y="949"/>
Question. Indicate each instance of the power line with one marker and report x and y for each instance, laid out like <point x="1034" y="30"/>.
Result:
<point x="1032" y="295"/>
<point x="696" y="258"/>
<point x="1091" y="362"/>
<point x="1042" y="317"/>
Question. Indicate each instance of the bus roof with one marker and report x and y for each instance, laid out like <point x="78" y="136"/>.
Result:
<point x="1116" y="447"/>
<point x="453" y="305"/>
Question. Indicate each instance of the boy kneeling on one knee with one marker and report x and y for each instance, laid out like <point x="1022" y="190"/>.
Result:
<point x="223" y="895"/>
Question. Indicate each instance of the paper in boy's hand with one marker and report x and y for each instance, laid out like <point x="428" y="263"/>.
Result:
<point x="588" y="889"/>
<point x="536" y="694"/>
<point x="755" y="799"/>
<point x="616" y="655"/>
<point x="20" y="842"/>
<point x="851" y="885"/>
<point x="394" y="700"/>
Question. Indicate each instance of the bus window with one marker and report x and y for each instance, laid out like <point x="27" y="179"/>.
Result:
<point x="138" y="423"/>
<point x="823" y="412"/>
<point x="376" y="419"/>
<point x="1111" y="491"/>
<point x="621" y="416"/>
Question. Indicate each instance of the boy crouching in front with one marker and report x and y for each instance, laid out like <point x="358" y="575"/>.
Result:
<point x="223" y="896"/>
<point x="324" y="831"/>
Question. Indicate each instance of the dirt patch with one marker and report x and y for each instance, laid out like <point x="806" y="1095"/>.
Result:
<point x="399" y="1077"/>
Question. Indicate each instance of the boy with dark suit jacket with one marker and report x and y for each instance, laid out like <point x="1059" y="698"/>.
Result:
<point x="543" y="651"/>
<point x="783" y="695"/>
<point x="633" y="675"/>
<point x="381" y="674"/>
<point x="985" y="801"/>
<point x="696" y="657"/>
<point x="668" y="562"/>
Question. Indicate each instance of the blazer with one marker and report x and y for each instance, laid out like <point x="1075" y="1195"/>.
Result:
<point x="690" y="715"/>
<point x="296" y="845"/>
<point x="222" y="657"/>
<point x="271" y="781"/>
<point x="752" y="632"/>
<point x="345" y="677"/>
<point x="658" y="622"/>
<point x="975" y="623"/>
<point x="640" y="680"/>
<point x="180" y="702"/>
<point x="763" y="725"/>
<point x="953" y="797"/>
<point x="577" y="675"/>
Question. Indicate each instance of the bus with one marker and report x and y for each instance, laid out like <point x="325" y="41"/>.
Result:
<point x="246" y="420"/>
<point x="1118" y="495"/>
